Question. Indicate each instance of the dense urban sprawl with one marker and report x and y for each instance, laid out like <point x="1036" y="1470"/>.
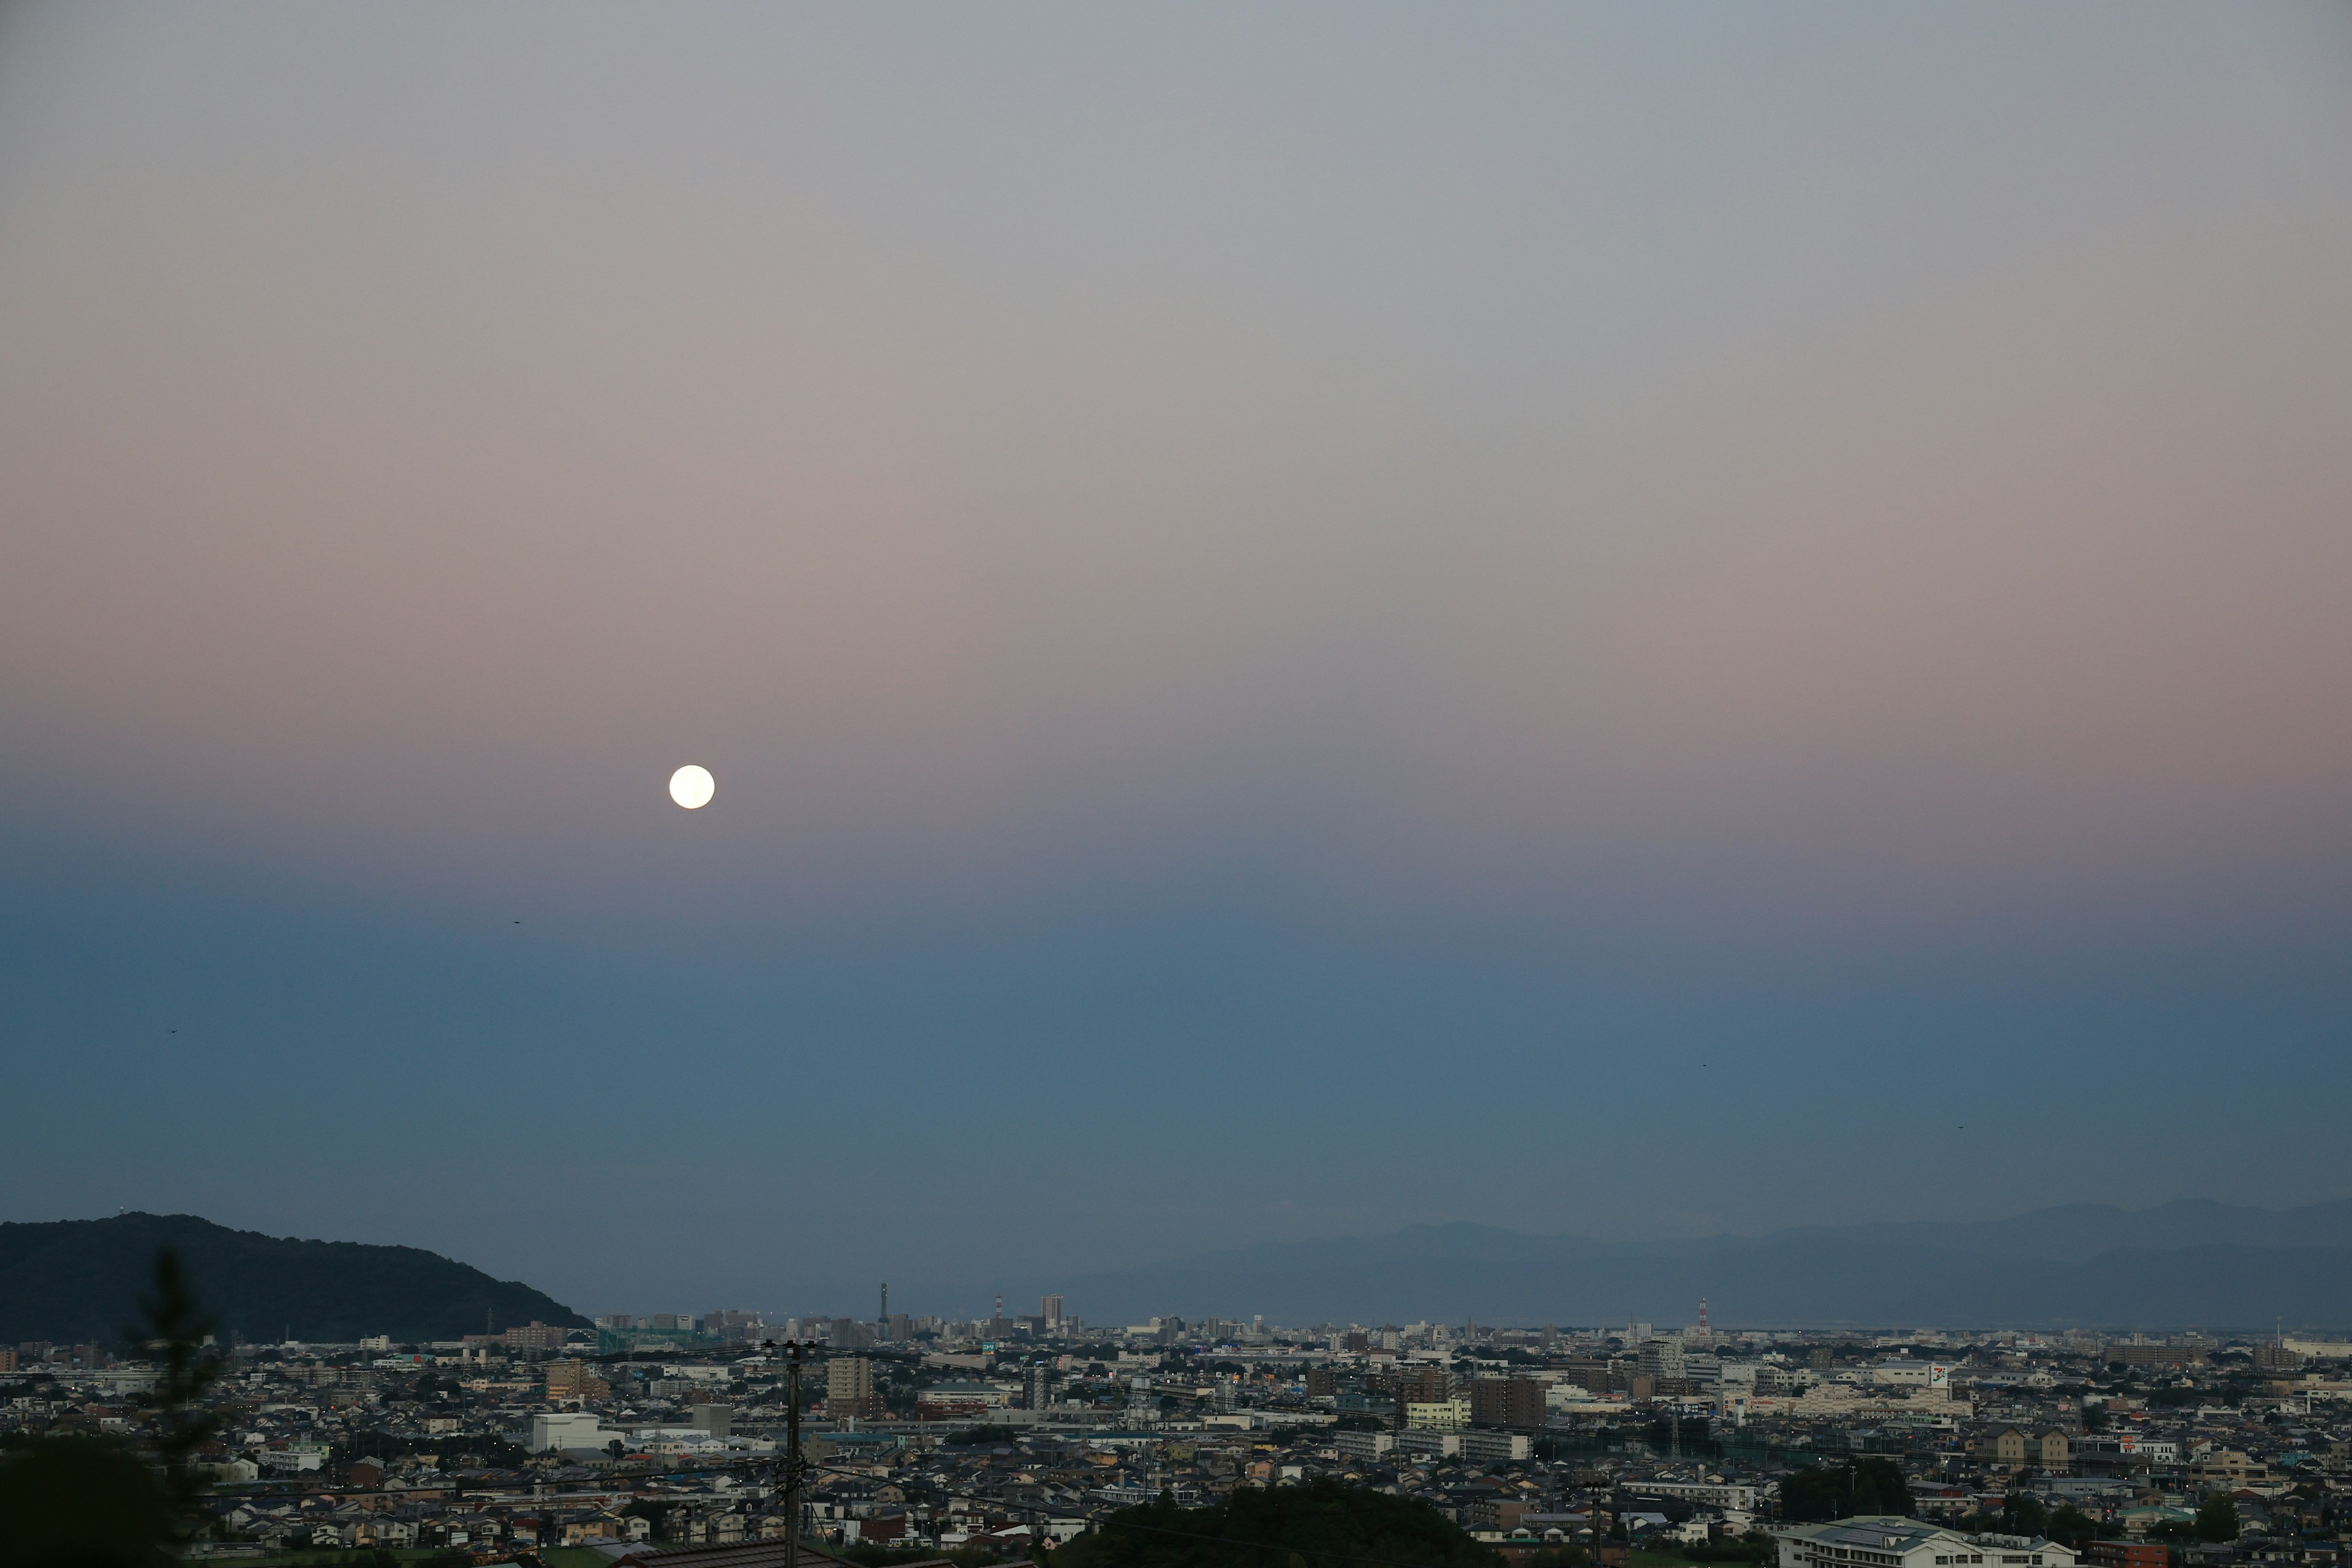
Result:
<point x="1008" y="1437"/>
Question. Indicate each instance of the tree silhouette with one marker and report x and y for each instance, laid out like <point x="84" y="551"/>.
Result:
<point x="91" y="1502"/>
<point x="176" y="1329"/>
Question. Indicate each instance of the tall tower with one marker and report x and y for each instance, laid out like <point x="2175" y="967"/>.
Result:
<point x="882" y="1323"/>
<point x="1705" y="1335"/>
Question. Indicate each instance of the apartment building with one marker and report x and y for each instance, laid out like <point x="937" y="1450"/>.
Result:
<point x="849" y="1389"/>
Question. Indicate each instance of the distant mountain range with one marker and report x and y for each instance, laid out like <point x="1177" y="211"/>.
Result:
<point x="74" y="1281"/>
<point x="2190" y="1264"/>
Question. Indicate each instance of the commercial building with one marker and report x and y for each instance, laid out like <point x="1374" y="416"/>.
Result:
<point x="570" y="1431"/>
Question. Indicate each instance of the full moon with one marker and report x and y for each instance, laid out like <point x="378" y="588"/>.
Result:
<point x="691" y="787"/>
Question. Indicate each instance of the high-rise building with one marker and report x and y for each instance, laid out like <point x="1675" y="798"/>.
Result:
<point x="1037" y="1385"/>
<point x="849" y="1388"/>
<point x="1053" y="1305"/>
<point x="1422" y="1385"/>
<point x="1516" y="1402"/>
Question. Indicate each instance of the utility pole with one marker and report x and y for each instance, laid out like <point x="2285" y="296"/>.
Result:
<point x="793" y="1463"/>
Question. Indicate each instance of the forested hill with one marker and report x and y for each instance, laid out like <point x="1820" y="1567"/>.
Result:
<point x="79" y="1280"/>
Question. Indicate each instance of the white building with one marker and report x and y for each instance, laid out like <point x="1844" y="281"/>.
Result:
<point x="1484" y="1447"/>
<point x="570" y="1431"/>
<point x="1495" y="1448"/>
<point x="1888" y="1540"/>
<point x="1437" y="1415"/>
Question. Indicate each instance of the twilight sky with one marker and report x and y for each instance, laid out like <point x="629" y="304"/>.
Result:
<point x="1308" y="618"/>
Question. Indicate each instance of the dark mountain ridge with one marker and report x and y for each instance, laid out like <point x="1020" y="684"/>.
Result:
<point x="78" y="1280"/>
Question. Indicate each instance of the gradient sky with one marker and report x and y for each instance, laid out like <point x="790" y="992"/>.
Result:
<point x="1307" y="617"/>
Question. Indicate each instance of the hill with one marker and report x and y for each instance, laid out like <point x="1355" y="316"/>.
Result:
<point x="78" y="1280"/>
<point x="2179" y="1266"/>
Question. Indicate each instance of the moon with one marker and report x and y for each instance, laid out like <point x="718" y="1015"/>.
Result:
<point x="692" y="786"/>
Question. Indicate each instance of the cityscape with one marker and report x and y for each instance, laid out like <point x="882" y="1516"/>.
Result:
<point x="1009" y="1437"/>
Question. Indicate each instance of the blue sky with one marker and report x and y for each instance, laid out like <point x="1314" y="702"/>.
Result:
<point x="1606" y="620"/>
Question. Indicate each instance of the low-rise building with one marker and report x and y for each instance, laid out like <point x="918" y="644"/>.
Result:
<point x="1889" y="1541"/>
